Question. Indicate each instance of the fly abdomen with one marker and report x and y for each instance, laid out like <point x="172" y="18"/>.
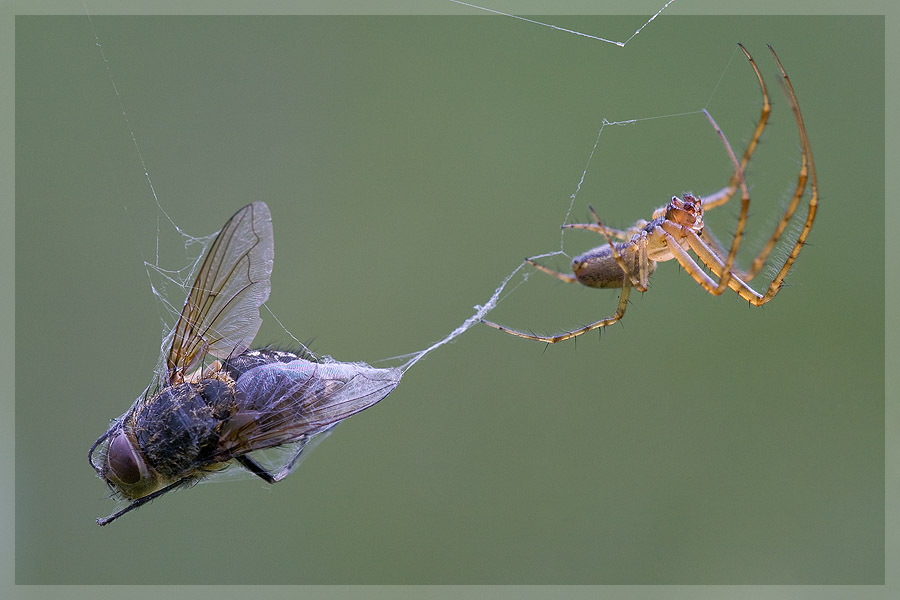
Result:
<point x="242" y="363"/>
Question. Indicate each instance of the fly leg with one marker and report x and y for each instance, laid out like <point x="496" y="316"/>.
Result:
<point x="141" y="501"/>
<point x="255" y="468"/>
<point x="261" y="472"/>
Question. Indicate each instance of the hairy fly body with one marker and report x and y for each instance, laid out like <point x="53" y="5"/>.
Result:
<point x="219" y="404"/>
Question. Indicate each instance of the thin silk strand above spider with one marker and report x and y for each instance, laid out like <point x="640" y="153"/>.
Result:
<point x="677" y="230"/>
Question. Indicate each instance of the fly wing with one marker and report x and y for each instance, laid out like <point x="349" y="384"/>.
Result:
<point x="221" y="313"/>
<point x="283" y="403"/>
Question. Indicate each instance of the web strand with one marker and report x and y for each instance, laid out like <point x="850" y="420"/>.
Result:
<point x="563" y="29"/>
<point x="161" y="280"/>
<point x="498" y="295"/>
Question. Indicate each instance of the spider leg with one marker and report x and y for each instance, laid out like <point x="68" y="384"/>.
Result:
<point x="725" y="194"/>
<point x="620" y="312"/>
<point x="567" y="277"/>
<point x="799" y="190"/>
<point x="716" y="247"/>
<point x="639" y="282"/>
<point x="719" y="198"/>
<point x="709" y="258"/>
<point x="760" y="260"/>
<point x="712" y="254"/>
<point x="598" y="227"/>
<point x="807" y="170"/>
<point x="727" y="272"/>
<point x="742" y="218"/>
<point x="614" y="233"/>
<point x="643" y="264"/>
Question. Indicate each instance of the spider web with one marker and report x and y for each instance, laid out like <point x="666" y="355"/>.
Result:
<point x="754" y="237"/>
<point x="521" y="274"/>
<point x="170" y="285"/>
<point x="563" y="29"/>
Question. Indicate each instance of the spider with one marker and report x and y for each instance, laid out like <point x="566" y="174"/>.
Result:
<point x="677" y="228"/>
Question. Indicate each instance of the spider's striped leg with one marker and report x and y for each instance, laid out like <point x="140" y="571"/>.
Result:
<point x="620" y="312"/>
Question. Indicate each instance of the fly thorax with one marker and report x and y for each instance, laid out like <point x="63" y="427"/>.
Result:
<point x="178" y="429"/>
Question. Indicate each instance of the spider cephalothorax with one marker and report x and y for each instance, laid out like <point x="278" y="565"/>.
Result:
<point x="686" y="211"/>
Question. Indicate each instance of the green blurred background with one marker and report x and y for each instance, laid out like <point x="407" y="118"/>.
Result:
<point x="410" y="163"/>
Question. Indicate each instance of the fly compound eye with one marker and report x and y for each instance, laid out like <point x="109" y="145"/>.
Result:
<point x="122" y="461"/>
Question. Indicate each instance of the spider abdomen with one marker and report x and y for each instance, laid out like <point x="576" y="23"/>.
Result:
<point x="598" y="267"/>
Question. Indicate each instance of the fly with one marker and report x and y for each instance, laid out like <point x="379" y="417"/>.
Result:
<point x="220" y="403"/>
